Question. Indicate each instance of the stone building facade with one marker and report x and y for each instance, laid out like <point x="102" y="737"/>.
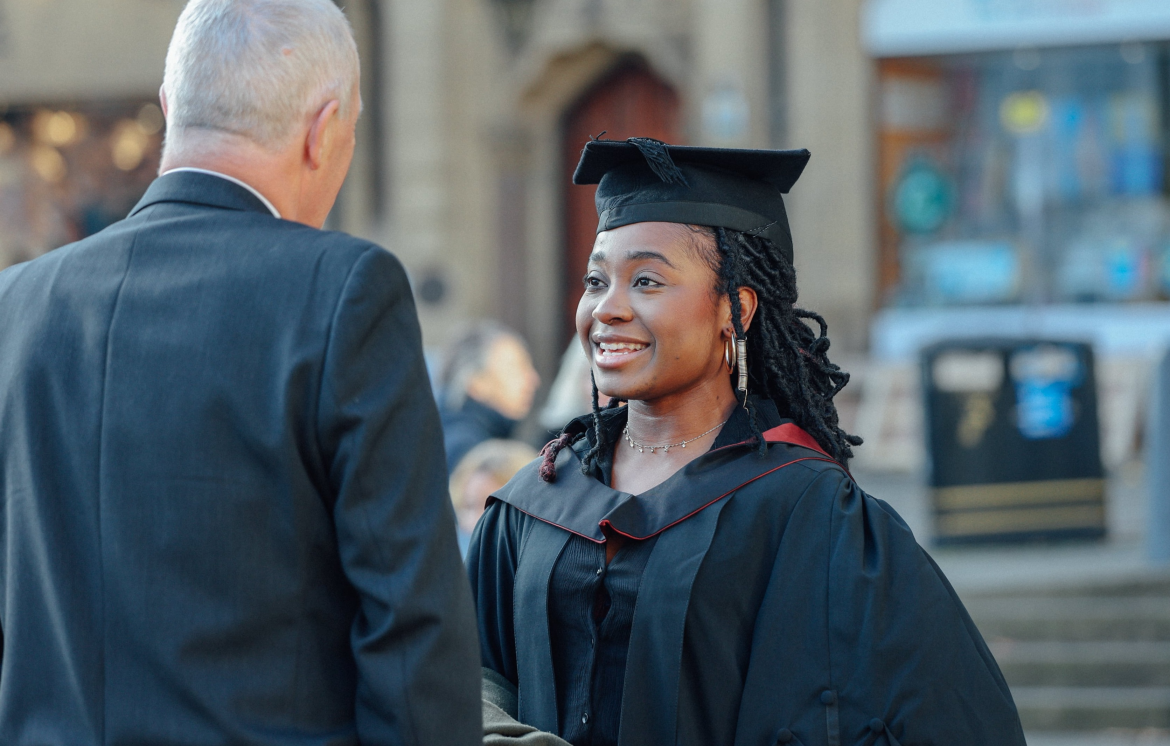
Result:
<point x="476" y="109"/>
<point x="490" y="101"/>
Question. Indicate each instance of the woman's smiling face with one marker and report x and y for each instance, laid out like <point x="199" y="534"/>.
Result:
<point x="649" y="318"/>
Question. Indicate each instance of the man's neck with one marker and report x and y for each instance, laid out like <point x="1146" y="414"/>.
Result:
<point x="270" y="173"/>
<point x="234" y="180"/>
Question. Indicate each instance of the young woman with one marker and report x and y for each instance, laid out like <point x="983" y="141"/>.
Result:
<point x="698" y="566"/>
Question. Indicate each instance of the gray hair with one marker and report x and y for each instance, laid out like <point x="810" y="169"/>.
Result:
<point x="257" y="68"/>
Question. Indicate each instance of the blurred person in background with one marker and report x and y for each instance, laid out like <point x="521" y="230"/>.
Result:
<point x="486" y="385"/>
<point x="221" y="475"/>
<point x="699" y="567"/>
<point x="484" y="469"/>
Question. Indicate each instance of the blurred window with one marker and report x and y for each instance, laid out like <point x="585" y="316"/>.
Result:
<point x="1033" y="175"/>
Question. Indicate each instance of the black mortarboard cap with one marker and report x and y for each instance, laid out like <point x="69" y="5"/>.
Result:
<point x="642" y="180"/>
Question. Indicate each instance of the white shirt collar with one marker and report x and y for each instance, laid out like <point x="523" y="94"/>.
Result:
<point x="233" y="180"/>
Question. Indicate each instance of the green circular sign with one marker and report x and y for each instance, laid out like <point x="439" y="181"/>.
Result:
<point x="922" y="199"/>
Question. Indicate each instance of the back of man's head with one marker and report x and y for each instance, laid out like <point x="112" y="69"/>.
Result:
<point x="258" y="69"/>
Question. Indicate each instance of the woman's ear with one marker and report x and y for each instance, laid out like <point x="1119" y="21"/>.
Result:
<point x="728" y="330"/>
<point x="748" y="303"/>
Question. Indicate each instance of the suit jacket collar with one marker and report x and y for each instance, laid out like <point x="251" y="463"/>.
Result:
<point x="200" y="189"/>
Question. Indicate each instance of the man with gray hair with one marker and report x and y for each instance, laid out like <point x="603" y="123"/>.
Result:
<point x="223" y="498"/>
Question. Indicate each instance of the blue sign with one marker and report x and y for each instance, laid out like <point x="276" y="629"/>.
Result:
<point x="1045" y="377"/>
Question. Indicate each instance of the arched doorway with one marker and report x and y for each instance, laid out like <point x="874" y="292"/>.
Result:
<point x="631" y="101"/>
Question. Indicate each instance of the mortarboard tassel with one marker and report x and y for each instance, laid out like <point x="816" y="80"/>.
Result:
<point x="659" y="160"/>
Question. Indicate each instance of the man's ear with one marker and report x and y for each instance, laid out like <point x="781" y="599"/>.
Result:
<point x="162" y="100"/>
<point x="748" y="303"/>
<point x="320" y="133"/>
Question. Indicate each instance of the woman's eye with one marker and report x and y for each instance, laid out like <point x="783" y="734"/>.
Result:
<point x="593" y="282"/>
<point x="645" y="282"/>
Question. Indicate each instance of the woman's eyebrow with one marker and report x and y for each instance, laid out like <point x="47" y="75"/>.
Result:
<point x="635" y="256"/>
<point x="598" y="257"/>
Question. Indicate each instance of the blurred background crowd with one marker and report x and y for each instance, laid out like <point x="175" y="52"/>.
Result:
<point x="985" y="224"/>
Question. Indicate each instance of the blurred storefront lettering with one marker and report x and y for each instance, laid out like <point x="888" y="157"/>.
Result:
<point x="914" y="27"/>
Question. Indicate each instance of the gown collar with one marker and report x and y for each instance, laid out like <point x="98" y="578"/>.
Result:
<point x="584" y="504"/>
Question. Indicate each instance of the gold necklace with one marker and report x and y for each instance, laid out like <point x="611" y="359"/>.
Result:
<point x="666" y="448"/>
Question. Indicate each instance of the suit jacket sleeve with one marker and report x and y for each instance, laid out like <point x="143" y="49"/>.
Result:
<point x="413" y="638"/>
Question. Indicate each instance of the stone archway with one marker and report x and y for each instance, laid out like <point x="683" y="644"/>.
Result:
<point x="630" y="100"/>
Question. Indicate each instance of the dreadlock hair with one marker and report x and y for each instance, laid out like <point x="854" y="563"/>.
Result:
<point x="787" y="360"/>
<point x="548" y="469"/>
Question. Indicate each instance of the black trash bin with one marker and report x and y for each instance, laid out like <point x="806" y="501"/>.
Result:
<point x="1013" y="441"/>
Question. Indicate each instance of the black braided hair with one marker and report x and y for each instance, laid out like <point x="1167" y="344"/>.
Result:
<point x="548" y="469"/>
<point x="787" y="361"/>
<point x="601" y="443"/>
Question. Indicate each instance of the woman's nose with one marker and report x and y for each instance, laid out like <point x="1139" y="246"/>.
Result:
<point x="613" y="306"/>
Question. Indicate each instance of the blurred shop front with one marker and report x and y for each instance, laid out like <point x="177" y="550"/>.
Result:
<point x="80" y="126"/>
<point x="68" y="171"/>
<point x="1022" y="171"/>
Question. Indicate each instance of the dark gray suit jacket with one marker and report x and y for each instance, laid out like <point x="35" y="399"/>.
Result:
<point x="224" y="512"/>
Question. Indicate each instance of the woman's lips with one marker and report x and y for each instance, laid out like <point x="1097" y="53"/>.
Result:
<point x="616" y="354"/>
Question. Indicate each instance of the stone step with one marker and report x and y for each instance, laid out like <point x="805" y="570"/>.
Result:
<point x="1106" y="737"/>
<point x="1072" y="618"/>
<point x="1083" y="708"/>
<point x="1154" y="586"/>
<point x="1106" y="663"/>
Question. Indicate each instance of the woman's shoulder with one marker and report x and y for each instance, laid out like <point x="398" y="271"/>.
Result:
<point x="816" y="484"/>
<point x="796" y="469"/>
<point x="524" y="481"/>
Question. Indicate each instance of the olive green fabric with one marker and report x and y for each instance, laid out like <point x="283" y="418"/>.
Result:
<point x="500" y="727"/>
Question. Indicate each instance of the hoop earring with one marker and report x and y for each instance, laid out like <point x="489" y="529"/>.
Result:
<point x="729" y="354"/>
<point x="741" y="362"/>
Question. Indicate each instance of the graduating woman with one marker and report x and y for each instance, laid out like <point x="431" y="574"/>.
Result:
<point x="698" y="566"/>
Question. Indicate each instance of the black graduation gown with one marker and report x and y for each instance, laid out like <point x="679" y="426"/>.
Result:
<point x="780" y="604"/>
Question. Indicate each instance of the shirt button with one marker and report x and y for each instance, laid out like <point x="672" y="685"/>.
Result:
<point x="600" y="570"/>
<point x="585" y="719"/>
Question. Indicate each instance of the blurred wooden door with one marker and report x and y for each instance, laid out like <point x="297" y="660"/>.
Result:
<point x="630" y="102"/>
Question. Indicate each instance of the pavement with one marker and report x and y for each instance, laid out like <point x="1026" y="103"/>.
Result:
<point x="1150" y="737"/>
<point x="980" y="572"/>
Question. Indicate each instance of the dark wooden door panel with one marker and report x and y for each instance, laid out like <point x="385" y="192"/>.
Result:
<point x="630" y="102"/>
